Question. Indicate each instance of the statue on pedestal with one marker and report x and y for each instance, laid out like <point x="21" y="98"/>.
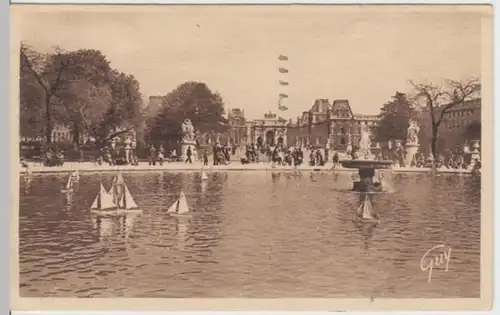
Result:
<point x="412" y="133"/>
<point x="412" y="145"/>
<point x="188" y="142"/>
<point x="365" y="143"/>
<point x="188" y="133"/>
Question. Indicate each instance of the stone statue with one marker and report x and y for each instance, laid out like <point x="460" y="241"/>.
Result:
<point x="187" y="130"/>
<point x="365" y="143"/>
<point x="412" y="133"/>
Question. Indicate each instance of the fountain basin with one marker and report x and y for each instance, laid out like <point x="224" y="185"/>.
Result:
<point x="369" y="164"/>
<point x="366" y="171"/>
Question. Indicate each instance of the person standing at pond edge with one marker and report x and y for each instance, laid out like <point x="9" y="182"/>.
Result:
<point x="205" y="157"/>
<point x="188" y="154"/>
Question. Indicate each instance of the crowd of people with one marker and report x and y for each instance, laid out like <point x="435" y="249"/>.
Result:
<point x="125" y="153"/>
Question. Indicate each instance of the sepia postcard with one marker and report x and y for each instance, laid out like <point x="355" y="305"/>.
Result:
<point x="251" y="157"/>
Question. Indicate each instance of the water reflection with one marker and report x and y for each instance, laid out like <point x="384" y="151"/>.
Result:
<point x="26" y="180"/>
<point x="251" y="234"/>
<point x="114" y="226"/>
<point x="366" y="229"/>
<point x="182" y="226"/>
<point x="69" y="198"/>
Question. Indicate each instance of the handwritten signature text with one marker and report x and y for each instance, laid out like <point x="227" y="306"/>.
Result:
<point x="435" y="257"/>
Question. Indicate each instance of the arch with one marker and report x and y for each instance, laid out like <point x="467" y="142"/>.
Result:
<point x="281" y="140"/>
<point x="270" y="137"/>
<point x="260" y="141"/>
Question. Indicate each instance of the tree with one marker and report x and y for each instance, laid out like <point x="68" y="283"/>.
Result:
<point x="31" y="113"/>
<point x="125" y="109"/>
<point x="96" y="99"/>
<point x="193" y="100"/>
<point x="46" y="71"/>
<point x="438" y="100"/>
<point x="82" y="106"/>
<point x="394" y="118"/>
<point x="78" y="89"/>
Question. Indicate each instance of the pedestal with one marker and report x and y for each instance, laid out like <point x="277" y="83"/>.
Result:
<point x="184" y="147"/>
<point x="473" y="157"/>
<point x="411" y="150"/>
<point x="366" y="184"/>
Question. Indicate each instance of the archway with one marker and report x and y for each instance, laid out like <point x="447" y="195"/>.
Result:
<point x="270" y="137"/>
<point x="260" y="141"/>
<point x="280" y="140"/>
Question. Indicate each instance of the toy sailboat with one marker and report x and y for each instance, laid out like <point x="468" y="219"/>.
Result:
<point x="121" y="195"/>
<point x="69" y="185"/>
<point x="76" y="175"/>
<point x="365" y="211"/>
<point x="204" y="175"/>
<point x="103" y="201"/>
<point x="179" y="207"/>
<point x="28" y="170"/>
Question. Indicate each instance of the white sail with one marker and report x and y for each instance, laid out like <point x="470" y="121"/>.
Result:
<point x="103" y="200"/>
<point x="183" y="206"/>
<point x="366" y="210"/>
<point x="180" y="206"/>
<point x="105" y="226"/>
<point x="204" y="175"/>
<point x="173" y="207"/>
<point x="128" y="201"/>
<point x="69" y="183"/>
<point x="119" y="179"/>
<point x="117" y="191"/>
<point x="76" y="175"/>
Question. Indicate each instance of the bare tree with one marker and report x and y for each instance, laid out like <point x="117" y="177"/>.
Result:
<point x="47" y="71"/>
<point x="438" y="100"/>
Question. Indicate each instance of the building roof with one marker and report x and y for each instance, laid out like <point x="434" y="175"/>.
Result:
<point x="236" y="113"/>
<point x="468" y="104"/>
<point x="341" y="105"/>
<point x="321" y="106"/>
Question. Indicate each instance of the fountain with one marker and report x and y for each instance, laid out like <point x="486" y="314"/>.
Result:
<point x="412" y="144"/>
<point x="188" y="140"/>
<point x="475" y="155"/>
<point x="366" y="164"/>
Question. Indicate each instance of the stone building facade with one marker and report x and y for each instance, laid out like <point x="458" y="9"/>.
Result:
<point x="333" y="124"/>
<point x="452" y="130"/>
<point x="323" y="124"/>
<point x="270" y="130"/>
<point x="237" y="126"/>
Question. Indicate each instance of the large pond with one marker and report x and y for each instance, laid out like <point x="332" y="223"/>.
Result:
<point x="251" y="234"/>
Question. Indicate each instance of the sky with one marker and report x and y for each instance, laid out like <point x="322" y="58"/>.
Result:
<point x="358" y="53"/>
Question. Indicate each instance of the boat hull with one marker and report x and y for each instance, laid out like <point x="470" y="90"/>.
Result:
<point x="176" y="215"/>
<point x="115" y="211"/>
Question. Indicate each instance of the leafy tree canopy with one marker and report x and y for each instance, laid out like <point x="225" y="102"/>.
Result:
<point x="394" y="118"/>
<point x="78" y="89"/>
<point x="193" y="100"/>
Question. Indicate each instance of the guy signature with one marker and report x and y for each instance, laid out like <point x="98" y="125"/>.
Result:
<point x="433" y="259"/>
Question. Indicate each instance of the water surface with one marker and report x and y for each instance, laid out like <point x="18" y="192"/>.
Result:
<point x="252" y="234"/>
